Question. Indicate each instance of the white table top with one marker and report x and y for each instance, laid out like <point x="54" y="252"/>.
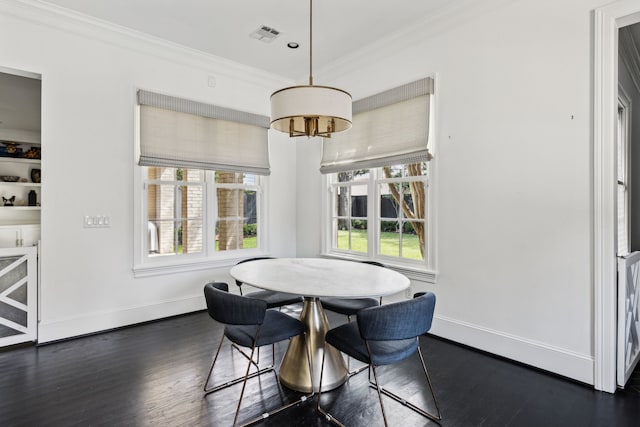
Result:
<point x="320" y="277"/>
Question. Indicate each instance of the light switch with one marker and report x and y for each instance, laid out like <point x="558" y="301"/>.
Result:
<point x="97" y="221"/>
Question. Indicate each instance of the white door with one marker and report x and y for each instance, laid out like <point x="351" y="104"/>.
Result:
<point x="18" y="295"/>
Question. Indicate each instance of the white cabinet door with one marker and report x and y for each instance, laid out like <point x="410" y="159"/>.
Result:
<point x="18" y="295"/>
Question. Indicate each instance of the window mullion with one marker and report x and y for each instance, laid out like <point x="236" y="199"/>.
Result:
<point x="373" y="210"/>
<point x="210" y="214"/>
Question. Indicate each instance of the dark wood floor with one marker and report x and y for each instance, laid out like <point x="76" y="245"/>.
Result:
<point x="152" y="375"/>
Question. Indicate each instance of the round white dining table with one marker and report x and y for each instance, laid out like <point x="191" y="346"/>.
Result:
<point x="314" y="278"/>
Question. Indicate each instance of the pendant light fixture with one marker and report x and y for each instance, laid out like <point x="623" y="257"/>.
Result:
<point x="310" y="110"/>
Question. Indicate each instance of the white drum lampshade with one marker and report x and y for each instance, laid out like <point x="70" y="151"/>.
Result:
<point x="310" y="110"/>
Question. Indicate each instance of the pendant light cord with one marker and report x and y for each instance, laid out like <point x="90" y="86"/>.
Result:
<point x="310" y="42"/>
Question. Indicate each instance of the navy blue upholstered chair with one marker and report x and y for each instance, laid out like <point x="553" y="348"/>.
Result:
<point x="274" y="299"/>
<point x="386" y="335"/>
<point x="249" y="324"/>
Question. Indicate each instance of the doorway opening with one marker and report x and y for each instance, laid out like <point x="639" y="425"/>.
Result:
<point x="607" y="23"/>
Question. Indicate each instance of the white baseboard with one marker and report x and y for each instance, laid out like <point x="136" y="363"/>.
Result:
<point x="563" y="362"/>
<point x="95" y="322"/>
<point x="560" y="361"/>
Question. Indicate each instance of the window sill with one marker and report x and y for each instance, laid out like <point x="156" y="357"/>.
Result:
<point x="413" y="273"/>
<point x="188" y="265"/>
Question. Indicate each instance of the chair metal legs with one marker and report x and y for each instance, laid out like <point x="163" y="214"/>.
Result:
<point x="417" y="409"/>
<point x="376" y="385"/>
<point x="273" y="354"/>
<point x="247" y="376"/>
<point x="326" y="414"/>
<point x="237" y="380"/>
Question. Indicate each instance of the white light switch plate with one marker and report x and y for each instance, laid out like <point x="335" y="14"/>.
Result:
<point x="97" y="221"/>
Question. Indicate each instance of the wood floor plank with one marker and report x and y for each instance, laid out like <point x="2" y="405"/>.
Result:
<point x="152" y="375"/>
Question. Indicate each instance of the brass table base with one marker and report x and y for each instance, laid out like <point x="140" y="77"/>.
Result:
<point x="294" y="371"/>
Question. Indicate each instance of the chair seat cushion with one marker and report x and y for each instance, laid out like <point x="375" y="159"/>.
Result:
<point x="347" y="306"/>
<point x="347" y="339"/>
<point x="276" y="327"/>
<point x="275" y="299"/>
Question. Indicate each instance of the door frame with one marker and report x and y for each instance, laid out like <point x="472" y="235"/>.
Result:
<point x="607" y="21"/>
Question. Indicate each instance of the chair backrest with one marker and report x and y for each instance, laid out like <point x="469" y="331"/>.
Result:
<point x="397" y="321"/>
<point x="239" y="283"/>
<point x="233" y="309"/>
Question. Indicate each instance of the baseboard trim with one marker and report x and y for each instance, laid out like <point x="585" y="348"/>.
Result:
<point x="563" y="362"/>
<point x="91" y="323"/>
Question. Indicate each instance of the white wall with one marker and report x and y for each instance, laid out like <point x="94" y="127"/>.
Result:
<point x="308" y="198"/>
<point x="513" y="154"/>
<point x="89" y="85"/>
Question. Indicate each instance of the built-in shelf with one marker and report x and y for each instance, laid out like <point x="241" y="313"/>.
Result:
<point x="22" y="184"/>
<point x="20" y="208"/>
<point x="20" y="160"/>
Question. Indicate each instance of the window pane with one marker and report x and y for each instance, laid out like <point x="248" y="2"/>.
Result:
<point x="341" y="235"/>
<point x="237" y="225"/>
<point x="250" y="218"/>
<point x="169" y="206"/>
<point x="163" y="237"/>
<point x="174" y="174"/>
<point x="389" y="208"/>
<point x="357" y="175"/>
<point x="342" y="201"/>
<point x="229" y="177"/>
<point x="191" y="175"/>
<point x="359" y="235"/>
<point x="395" y="171"/>
<point x="389" y="238"/>
<point x="408" y="203"/>
<point x="250" y="236"/>
<point x="399" y="171"/>
<point x="359" y="201"/>
<point x="230" y="220"/>
<point x="191" y="236"/>
<point x="229" y="235"/>
<point x="412" y="240"/>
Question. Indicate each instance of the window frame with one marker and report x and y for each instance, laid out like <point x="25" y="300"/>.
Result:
<point x="423" y="270"/>
<point x="623" y="187"/>
<point x="145" y="265"/>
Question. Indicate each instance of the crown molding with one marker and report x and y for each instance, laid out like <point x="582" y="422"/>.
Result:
<point x="630" y="56"/>
<point x="59" y="18"/>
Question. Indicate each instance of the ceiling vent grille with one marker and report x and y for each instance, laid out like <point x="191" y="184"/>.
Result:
<point x="266" y="34"/>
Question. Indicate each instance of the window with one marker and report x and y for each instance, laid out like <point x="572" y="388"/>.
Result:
<point x="193" y="214"/>
<point x="199" y="185"/>
<point x="377" y="177"/>
<point x="382" y="214"/>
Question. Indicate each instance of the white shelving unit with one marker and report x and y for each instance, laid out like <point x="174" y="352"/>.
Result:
<point x="20" y="213"/>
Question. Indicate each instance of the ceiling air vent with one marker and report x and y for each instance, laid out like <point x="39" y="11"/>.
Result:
<point x="266" y="34"/>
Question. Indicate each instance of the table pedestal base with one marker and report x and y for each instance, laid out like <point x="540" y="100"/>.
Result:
<point x="294" y="371"/>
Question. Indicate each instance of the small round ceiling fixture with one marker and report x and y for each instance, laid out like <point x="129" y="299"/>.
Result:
<point x="293" y="45"/>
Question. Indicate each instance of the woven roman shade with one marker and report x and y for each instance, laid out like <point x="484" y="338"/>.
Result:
<point x="175" y="132"/>
<point x="389" y="128"/>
